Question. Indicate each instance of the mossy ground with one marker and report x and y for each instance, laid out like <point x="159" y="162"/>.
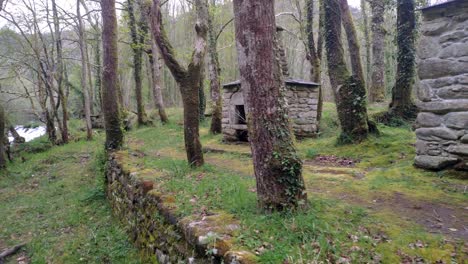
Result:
<point x="363" y="219"/>
<point x="55" y="203"/>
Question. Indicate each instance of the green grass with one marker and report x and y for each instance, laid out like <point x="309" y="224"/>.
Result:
<point x="330" y="229"/>
<point x="55" y="203"/>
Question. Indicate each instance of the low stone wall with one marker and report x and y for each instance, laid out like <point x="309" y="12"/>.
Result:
<point x="442" y="124"/>
<point x="153" y="224"/>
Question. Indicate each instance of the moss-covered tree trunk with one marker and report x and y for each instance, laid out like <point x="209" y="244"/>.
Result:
<point x="377" y="87"/>
<point x="188" y="78"/>
<point x="2" y="139"/>
<point x="312" y="56"/>
<point x="137" y="47"/>
<point x="110" y="81"/>
<point x="350" y="94"/>
<point x="278" y="169"/>
<point x="214" y="73"/>
<point x="156" y="77"/>
<point x="201" y="96"/>
<point x="402" y="104"/>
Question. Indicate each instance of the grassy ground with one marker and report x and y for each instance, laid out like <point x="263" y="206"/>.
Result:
<point x="380" y="208"/>
<point x="55" y="203"/>
<point x="368" y="204"/>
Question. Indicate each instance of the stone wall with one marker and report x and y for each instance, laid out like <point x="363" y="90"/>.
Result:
<point x="442" y="124"/>
<point x="153" y="224"/>
<point x="303" y="104"/>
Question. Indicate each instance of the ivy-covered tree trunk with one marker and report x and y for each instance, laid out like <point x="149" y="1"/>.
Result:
<point x="402" y="104"/>
<point x="312" y="55"/>
<point x="214" y="73"/>
<point x="377" y="88"/>
<point x="110" y="81"/>
<point x="353" y="42"/>
<point x="2" y="139"/>
<point x="350" y="94"/>
<point x="137" y="47"/>
<point x="202" y="97"/>
<point x="188" y="78"/>
<point x="278" y="168"/>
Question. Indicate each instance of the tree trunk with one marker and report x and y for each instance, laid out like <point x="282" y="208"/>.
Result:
<point x="214" y="73"/>
<point x="59" y="77"/>
<point x="110" y="81"/>
<point x="84" y="72"/>
<point x="402" y="104"/>
<point x="377" y="88"/>
<point x="156" y="68"/>
<point x="312" y="55"/>
<point x="187" y="79"/>
<point x="278" y="169"/>
<point x="353" y="42"/>
<point x="137" y="62"/>
<point x="350" y="94"/>
<point x="202" y="96"/>
<point x="2" y="138"/>
<point x="16" y="136"/>
<point x="365" y="21"/>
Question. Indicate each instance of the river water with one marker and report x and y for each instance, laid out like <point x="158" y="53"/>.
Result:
<point x="28" y="133"/>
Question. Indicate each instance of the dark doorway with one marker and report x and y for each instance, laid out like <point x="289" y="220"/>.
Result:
<point x="240" y="115"/>
<point x="242" y="135"/>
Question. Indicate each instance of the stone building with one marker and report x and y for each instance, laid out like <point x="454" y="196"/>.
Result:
<point x="442" y="124"/>
<point x="303" y="104"/>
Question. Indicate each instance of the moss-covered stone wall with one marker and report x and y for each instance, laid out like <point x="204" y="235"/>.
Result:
<point x="154" y="226"/>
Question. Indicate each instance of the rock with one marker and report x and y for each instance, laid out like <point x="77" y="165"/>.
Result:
<point x="424" y="92"/>
<point x="464" y="139"/>
<point x="457" y="120"/>
<point x="434" y="68"/>
<point x="444" y="106"/>
<point x="428" y="47"/>
<point x="428" y="120"/>
<point x="434" y="162"/>
<point x="454" y="51"/>
<point x="435" y="134"/>
<point x="434" y="28"/>
<point x="457" y="91"/>
<point x="461" y="149"/>
<point x="453" y="36"/>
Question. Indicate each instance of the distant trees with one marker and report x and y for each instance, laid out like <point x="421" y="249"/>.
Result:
<point x="188" y="78"/>
<point x="349" y="90"/>
<point x="2" y="133"/>
<point x="110" y="81"/>
<point x="278" y="169"/>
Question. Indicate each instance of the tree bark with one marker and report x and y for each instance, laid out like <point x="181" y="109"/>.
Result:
<point x="110" y="81"/>
<point x="214" y="73"/>
<point x="312" y="55"/>
<point x="137" y="47"/>
<point x="353" y="42"/>
<point x="402" y="104"/>
<point x="17" y="138"/>
<point x="187" y="79"/>
<point x="202" y="96"/>
<point x="59" y="75"/>
<point x="365" y="21"/>
<point x="156" y="68"/>
<point x="84" y="72"/>
<point x="278" y="169"/>
<point x="2" y="139"/>
<point x="350" y="94"/>
<point x="377" y="88"/>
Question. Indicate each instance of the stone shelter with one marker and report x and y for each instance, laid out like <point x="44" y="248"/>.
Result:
<point x="303" y="104"/>
<point x="442" y="92"/>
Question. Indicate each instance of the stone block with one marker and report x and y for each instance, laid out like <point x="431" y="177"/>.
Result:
<point x="464" y="139"/>
<point x="425" y="119"/>
<point x="434" y="162"/>
<point x="455" y="50"/>
<point x="435" y="27"/>
<point x="435" y="134"/>
<point x="457" y="120"/>
<point x="425" y="93"/>
<point x="461" y="149"/>
<point x="428" y="47"/>
<point x="435" y="68"/>
<point x="453" y="36"/>
<point x="445" y="106"/>
<point x="457" y="91"/>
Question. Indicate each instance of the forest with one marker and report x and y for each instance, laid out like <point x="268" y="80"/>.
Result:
<point x="233" y="131"/>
